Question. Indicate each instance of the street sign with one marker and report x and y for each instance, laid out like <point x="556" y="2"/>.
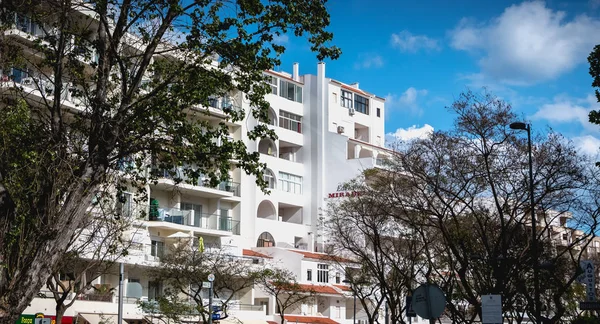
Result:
<point x="428" y="301"/>
<point x="491" y="309"/>
<point x="206" y="284"/>
<point x="410" y="312"/>
<point x="588" y="278"/>
<point x="211" y="277"/>
<point x="589" y="305"/>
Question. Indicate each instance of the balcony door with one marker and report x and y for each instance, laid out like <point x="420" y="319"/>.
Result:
<point x="197" y="212"/>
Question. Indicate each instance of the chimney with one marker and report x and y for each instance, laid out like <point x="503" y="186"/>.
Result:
<point x="321" y="71"/>
<point x="295" y="74"/>
<point x="354" y="85"/>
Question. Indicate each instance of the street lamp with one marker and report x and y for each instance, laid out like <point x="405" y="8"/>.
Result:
<point x="354" y="293"/>
<point x="536" y="283"/>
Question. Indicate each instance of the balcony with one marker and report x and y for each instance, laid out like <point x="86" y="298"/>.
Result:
<point x="203" y="221"/>
<point x="168" y="178"/>
<point x="39" y="89"/>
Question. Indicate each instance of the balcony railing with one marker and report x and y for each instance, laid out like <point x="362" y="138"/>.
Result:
<point x="228" y="186"/>
<point x="194" y="219"/>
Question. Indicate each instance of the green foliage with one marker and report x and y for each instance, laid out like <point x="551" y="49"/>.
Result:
<point x="594" y="60"/>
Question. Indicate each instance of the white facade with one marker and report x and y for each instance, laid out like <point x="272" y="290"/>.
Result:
<point x="327" y="131"/>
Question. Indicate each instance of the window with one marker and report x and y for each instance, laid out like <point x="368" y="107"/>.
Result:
<point x="290" y="91"/>
<point x="338" y="312"/>
<point x="154" y="290"/>
<point x="273" y="84"/>
<point x="124" y="206"/>
<point x="269" y="179"/>
<point x="322" y="273"/>
<point x="224" y="220"/>
<point x="309" y="275"/>
<point x="265" y="240"/>
<point x="290" y="183"/>
<point x="197" y="213"/>
<point x="290" y="121"/>
<point x="346" y="99"/>
<point x="378" y="112"/>
<point x="334" y="95"/>
<point x="361" y="104"/>
<point x="337" y="278"/>
<point x="565" y="237"/>
<point x="157" y="248"/>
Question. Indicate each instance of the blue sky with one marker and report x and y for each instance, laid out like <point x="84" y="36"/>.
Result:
<point x="421" y="56"/>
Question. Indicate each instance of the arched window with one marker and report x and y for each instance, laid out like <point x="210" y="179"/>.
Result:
<point x="265" y="240"/>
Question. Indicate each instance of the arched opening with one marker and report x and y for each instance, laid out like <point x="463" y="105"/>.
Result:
<point x="266" y="210"/>
<point x="270" y="179"/>
<point x="272" y="117"/>
<point x="267" y="146"/>
<point x="265" y="240"/>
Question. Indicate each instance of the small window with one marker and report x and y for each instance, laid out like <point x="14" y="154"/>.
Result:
<point x="290" y="91"/>
<point x="273" y="84"/>
<point x="337" y="278"/>
<point x="565" y="237"/>
<point x="309" y="275"/>
<point x="378" y="112"/>
<point x="334" y="95"/>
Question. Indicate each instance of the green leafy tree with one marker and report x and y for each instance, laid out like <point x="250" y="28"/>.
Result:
<point x="94" y="83"/>
<point x="594" y="60"/>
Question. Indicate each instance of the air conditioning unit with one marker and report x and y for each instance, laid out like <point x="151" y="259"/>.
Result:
<point x="340" y="129"/>
<point x="351" y="111"/>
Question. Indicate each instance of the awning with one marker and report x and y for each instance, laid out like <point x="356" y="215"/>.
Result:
<point x="180" y="235"/>
<point x="100" y="318"/>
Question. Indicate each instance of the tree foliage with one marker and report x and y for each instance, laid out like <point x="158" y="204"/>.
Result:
<point x="115" y="80"/>
<point x="594" y="60"/>
<point x="459" y="199"/>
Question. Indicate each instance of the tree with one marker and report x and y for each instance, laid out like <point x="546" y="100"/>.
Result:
<point x="93" y="251"/>
<point x="282" y="284"/>
<point x="184" y="269"/>
<point x="132" y="78"/>
<point x="594" y="60"/>
<point x="463" y="195"/>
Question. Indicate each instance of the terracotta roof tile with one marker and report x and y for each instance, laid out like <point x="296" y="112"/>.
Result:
<point x="309" y="319"/>
<point x="343" y="287"/>
<point x="251" y="253"/>
<point x="319" y="289"/>
<point x="283" y="76"/>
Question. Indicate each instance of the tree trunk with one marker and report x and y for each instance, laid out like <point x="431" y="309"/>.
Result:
<point x="60" y="312"/>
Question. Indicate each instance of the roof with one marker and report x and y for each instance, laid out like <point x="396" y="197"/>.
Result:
<point x="283" y="76"/>
<point x="343" y="287"/>
<point x="309" y="319"/>
<point x="321" y="256"/>
<point x="251" y="253"/>
<point x="319" y="289"/>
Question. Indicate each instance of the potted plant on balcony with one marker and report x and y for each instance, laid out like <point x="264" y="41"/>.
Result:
<point x="153" y="213"/>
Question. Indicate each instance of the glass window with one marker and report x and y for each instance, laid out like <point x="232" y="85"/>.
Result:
<point x="309" y="275"/>
<point x="290" y="121"/>
<point x="322" y="273"/>
<point x="378" y="112"/>
<point x="269" y="179"/>
<point x="361" y="104"/>
<point x="265" y="240"/>
<point x="157" y="248"/>
<point x="273" y="84"/>
<point x="346" y="99"/>
<point x="290" y="183"/>
<point x="290" y="91"/>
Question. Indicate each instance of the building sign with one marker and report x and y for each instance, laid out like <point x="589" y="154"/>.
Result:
<point x="31" y="319"/>
<point x="588" y="278"/>
<point x="343" y="194"/>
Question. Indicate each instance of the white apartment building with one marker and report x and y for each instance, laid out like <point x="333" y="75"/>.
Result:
<point x="328" y="131"/>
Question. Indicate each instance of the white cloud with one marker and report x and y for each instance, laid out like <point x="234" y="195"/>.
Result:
<point x="411" y="133"/>
<point x="568" y="110"/>
<point x="368" y="60"/>
<point x="588" y="145"/>
<point x="528" y="42"/>
<point x="281" y="39"/>
<point x="408" y="101"/>
<point x="407" y="42"/>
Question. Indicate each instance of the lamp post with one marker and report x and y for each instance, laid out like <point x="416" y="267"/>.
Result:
<point x="536" y="283"/>
<point x="354" y="293"/>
